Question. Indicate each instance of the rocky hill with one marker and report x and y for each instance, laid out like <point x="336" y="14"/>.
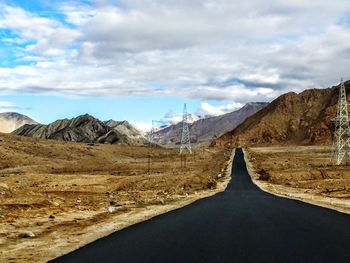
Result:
<point x="304" y="118"/>
<point x="205" y="130"/>
<point x="10" y="121"/>
<point x="84" y="128"/>
<point x="124" y="127"/>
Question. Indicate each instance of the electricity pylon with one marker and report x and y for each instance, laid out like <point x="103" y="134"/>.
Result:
<point x="185" y="135"/>
<point x="341" y="142"/>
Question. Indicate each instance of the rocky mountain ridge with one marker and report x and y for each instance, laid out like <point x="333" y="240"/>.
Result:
<point x="304" y="118"/>
<point x="84" y="128"/>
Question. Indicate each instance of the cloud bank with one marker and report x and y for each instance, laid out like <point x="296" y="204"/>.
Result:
<point x="231" y="50"/>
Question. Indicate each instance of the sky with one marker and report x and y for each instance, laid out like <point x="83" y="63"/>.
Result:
<point x="141" y="60"/>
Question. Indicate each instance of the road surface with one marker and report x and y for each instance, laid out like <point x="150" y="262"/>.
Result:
<point x="242" y="224"/>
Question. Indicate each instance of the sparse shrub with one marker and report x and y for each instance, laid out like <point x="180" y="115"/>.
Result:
<point x="211" y="185"/>
<point x="264" y="175"/>
<point x="26" y="234"/>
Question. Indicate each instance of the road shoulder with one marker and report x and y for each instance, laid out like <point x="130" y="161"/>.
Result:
<point x="339" y="205"/>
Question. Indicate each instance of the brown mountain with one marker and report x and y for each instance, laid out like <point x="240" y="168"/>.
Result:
<point x="304" y="118"/>
<point x="205" y="130"/>
<point x="83" y="128"/>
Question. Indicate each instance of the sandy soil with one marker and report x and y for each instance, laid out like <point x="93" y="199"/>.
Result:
<point x="304" y="173"/>
<point x="56" y="197"/>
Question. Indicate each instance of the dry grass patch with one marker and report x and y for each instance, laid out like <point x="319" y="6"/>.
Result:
<point x="66" y="194"/>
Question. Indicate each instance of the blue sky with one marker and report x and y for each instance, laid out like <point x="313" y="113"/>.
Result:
<point x="141" y="60"/>
<point x="47" y="109"/>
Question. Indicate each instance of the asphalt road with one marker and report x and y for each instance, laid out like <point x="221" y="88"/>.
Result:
<point x="242" y="224"/>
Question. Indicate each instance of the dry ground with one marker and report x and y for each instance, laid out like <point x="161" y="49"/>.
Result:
<point x="302" y="172"/>
<point x="57" y="196"/>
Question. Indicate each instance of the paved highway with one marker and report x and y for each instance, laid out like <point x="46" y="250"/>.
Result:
<point x="242" y="224"/>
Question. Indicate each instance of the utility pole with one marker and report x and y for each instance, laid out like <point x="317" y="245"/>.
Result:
<point x="150" y="144"/>
<point x="152" y="141"/>
<point x="341" y="144"/>
<point x="185" y="135"/>
<point x="183" y="160"/>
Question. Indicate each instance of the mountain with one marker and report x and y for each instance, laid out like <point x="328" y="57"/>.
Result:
<point x="83" y="128"/>
<point x="10" y="121"/>
<point x="124" y="127"/>
<point x="205" y="130"/>
<point x="304" y="118"/>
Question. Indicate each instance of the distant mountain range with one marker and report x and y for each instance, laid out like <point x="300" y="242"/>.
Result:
<point x="10" y="121"/>
<point x="85" y="129"/>
<point x="304" y="118"/>
<point x="205" y="130"/>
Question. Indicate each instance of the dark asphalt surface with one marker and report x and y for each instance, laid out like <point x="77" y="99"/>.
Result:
<point x="242" y="224"/>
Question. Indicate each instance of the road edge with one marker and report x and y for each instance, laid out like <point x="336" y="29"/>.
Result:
<point x="326" y="202"/>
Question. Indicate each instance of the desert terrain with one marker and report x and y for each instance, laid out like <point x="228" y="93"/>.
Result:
<point x="304" y="173"/>
<point x="57" y="196"/>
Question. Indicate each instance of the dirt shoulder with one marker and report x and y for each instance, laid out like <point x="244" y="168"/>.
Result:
<point x="301" y="173"/>
<point x="56" y="197"/>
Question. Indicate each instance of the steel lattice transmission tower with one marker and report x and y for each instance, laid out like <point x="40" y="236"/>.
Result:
<point x="341" y="142"/>
<point x="185" y="136"/>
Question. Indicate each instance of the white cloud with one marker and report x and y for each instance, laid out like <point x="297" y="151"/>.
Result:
<point x="50" y="36"/>
<point x="144" y="127"/>
<point x="174" y="118"/>
<point x="207" y="50"/>
<point x="207" y="109"/>
<point x="6" y="106"/>
<point x="77" y="14"/>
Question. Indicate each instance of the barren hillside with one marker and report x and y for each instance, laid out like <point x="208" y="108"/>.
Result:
<point x="10" y="121"/>
<point x="304" y="118"/>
